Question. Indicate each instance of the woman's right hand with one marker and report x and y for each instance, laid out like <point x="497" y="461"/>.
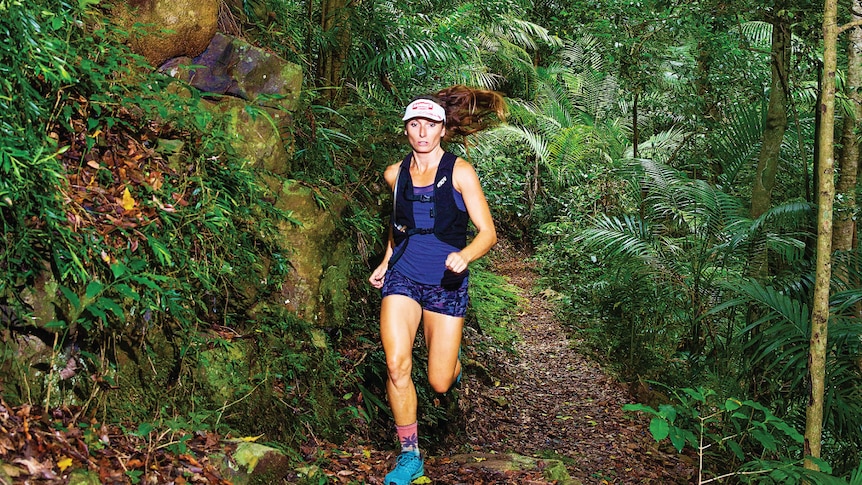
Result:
<point x="376" y="278"/>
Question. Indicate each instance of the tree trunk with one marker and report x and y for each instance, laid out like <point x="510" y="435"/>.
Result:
<point x="635" y="132"/>
<point x="848" y="161"/>
<point x="844" y="230"/>
<point x="773" y="133"/>
<point x="336" y="32"/>
<point x="823" y="263"/>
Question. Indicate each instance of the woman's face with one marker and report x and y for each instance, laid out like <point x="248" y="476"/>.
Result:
<point x="423" y="134"/>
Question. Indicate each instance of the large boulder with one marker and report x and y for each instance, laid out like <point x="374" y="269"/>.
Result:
<point x="259" y="135"/>
<point x="232" y="66"/>
<point x="164" y="29"/>
<point x="320" y="255"/>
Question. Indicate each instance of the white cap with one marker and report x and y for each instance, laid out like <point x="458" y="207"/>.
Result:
<point x="424" y="108"/>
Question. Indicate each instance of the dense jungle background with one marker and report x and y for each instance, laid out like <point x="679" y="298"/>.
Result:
<point x="192" y="199"/>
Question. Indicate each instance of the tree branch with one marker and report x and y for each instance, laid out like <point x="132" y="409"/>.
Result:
<point x="757" y="472"/>
<point x="850" y="25"/>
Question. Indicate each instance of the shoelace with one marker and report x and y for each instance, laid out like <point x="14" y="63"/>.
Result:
<point x="407" y="459"/>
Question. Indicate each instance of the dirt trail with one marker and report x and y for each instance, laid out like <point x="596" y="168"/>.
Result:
<point x="544" y="409"/>
<point x="555" y="403"/>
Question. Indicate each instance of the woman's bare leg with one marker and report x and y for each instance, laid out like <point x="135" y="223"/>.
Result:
<point x="443" y="337"/>
<point x="399" y="322"/>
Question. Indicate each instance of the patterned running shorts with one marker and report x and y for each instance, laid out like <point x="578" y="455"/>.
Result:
<point x="433" y="298"/>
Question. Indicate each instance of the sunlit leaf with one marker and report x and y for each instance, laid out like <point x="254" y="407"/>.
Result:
<point x="64" y="463"/>
<point x="128" y="201"/>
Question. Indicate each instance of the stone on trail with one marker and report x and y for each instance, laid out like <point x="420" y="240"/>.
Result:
<point x="552" y="470"/>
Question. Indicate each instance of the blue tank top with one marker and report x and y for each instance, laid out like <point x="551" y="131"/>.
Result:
<point x="424" y="259"/>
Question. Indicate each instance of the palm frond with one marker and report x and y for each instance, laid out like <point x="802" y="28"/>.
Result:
<point x="778" y="345"/>
<point x="660" y="145"/>
<point x="472" y="74"/>
<point x="846" y="275"/>
<point x="738" y="144"/>
<point x="758" y="34"/>
<point x="508" y="133"/>
<point x="774" y="224"/>
<point x="615" y="237"/>
<point x="523" y="33"/>
<point x="583" y="54"/>
<point x="789" y="215"/>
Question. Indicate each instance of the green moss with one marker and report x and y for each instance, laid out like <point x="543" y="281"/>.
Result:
<point x="254" y="135"/>
<point x="146" y="379"/>
<point x="223" y="370"/>
<point x="258" y="464"/>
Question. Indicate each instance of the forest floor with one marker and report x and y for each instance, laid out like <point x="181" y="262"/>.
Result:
<point x="544" y="408"/>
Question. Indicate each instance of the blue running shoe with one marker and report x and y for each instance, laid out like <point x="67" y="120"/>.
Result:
<point x="408" y="467"/>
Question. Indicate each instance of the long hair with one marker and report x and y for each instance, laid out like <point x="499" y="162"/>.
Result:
<point x="469" y="110"/>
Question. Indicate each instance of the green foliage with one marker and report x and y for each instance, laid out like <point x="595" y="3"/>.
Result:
<point x="653" y="271"/>
<point x="776" y="361"/>
<point x="559" y="143"/>
<point x="650" y="250"/>
<point x="47" y="52"/>
<point x="493" y="304"/>
<point x="735" y="438"/>
<point x="481" y="44"/>
<point x="122" y="192"/>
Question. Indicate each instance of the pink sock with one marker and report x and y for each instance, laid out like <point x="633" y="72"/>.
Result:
<point x="409" y="437"/>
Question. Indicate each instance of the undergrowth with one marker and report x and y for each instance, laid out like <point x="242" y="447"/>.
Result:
<point x="134" y="236"/>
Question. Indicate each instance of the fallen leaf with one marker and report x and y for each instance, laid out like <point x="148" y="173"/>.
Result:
<point x="64" y="463"/>
<point x="12" y="471"/>
<point x="128" y="201"/>
<point x="37" y="468"/>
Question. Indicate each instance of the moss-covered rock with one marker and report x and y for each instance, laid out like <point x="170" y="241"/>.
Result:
<point x="168" y="28"/>
<point x="232" y="66"/>
<point x="83" y="477"/>
<point x="553" y="470"/>
<point x="320" y="259"/>
<point x="145" y="377"/>
<point x="256" y="134"/>
<point x="254" y="464"/>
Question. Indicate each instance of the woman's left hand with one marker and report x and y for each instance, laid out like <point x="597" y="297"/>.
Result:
<point x="456" y="263"/>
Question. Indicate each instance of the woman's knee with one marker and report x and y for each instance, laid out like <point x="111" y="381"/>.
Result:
<point x="399" y="369"/>
<point x="440" y="382"/>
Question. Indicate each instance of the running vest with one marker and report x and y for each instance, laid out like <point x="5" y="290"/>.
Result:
<point x="450" y="222"/>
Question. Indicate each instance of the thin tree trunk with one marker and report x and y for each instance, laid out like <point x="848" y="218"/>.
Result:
<point x="844" y="231"/>
<point x="773" y="134"/>
<point x="823" y="262"/>
<point x="335" y="26"/>
<point x="635" y="131"/>
<point x="848" y="161"/>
